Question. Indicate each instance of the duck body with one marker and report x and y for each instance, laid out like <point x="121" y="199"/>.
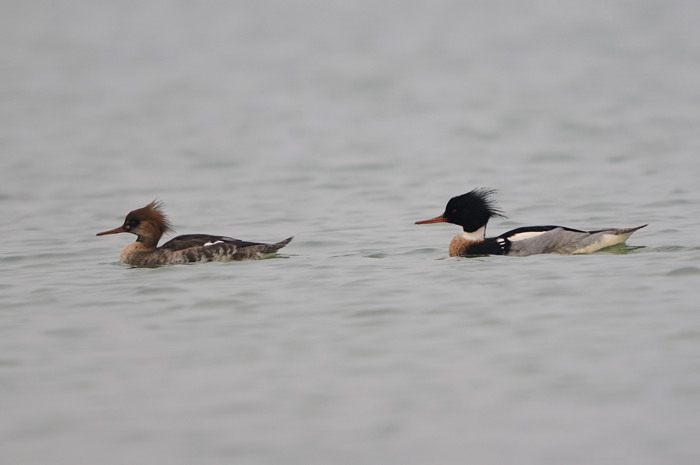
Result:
<point x="532" y="240"/>
<point x="212" y="249"/>
<point x="150" y="223"/>
<point x="473" y="210"/>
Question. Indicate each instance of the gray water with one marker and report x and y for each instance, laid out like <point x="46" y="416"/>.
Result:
<point x="342" y="123"/>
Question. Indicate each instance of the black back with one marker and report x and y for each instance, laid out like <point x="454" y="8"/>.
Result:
<point x="525" y="229"/>
<point x="198" y="240"/>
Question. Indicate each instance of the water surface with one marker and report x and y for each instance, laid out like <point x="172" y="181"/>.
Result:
<point x="342" y="123"/>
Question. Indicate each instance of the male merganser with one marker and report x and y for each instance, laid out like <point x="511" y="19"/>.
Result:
<point x="150" y="223"/>
<point x="474" y="209"/>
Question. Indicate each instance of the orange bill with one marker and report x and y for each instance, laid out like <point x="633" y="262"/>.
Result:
<point x="120" y="229"/>
<point x="437" y="219"/>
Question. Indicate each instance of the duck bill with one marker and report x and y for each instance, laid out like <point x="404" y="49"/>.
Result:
<point x="437" y="219"/>
<point x="118" y="230"/>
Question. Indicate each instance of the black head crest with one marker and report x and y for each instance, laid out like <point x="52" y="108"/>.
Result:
<point x="473" y="209"/>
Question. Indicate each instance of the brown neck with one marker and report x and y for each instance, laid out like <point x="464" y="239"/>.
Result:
<point x="459" y="245"/>
<point x="149" y="242"/>
<point x="461" y="242"/>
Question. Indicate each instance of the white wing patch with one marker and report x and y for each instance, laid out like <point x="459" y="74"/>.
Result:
<point x="501" y="243"/>
<point x="213" y="243"/>
<point x="525" y="235"/>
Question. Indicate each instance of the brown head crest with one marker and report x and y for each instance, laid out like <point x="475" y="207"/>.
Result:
<point x="154" y="214"/>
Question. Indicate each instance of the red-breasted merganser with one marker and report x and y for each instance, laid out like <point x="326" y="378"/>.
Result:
<point x="150" y="223"/>
<point x="473" y="210"/>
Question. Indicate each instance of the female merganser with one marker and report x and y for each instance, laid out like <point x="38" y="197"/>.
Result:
<point x="474" y="209"/>
<point x="150" y="223"/>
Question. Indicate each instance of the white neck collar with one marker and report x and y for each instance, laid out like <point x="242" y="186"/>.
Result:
<point x="475" y="236"/>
